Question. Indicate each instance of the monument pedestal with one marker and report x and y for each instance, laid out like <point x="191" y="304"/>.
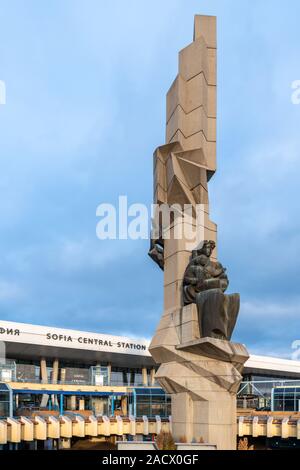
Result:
<point x="202" y="375"/>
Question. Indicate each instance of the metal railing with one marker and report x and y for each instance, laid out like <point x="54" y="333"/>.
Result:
<point x="112" y="383"/>
<point x="258" y="394"/>
<point x="255" y="386"/>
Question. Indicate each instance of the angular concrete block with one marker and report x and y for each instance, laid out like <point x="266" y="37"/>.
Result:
<point x="206" y="27"/>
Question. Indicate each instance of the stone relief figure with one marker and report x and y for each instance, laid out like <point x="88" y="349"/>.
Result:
<point x="156" y="252"/>
<point x="204" y="284"/>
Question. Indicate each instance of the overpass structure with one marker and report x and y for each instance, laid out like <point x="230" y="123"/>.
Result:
<point x="58" y="432"/>
<point x="273" y="429"/>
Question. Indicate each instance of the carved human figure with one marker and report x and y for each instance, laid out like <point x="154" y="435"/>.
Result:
<point x="156" y="252"/>
<point x="204" y="284"/>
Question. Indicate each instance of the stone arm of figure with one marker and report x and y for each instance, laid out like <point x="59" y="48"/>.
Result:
<point x="224" y="283"/>
<point x="190" y="280"/>
<point x="216" y="269"/>
<point x="156" y="252"/>
<point x="212" y="283"/>
<point x="218" y="272"/>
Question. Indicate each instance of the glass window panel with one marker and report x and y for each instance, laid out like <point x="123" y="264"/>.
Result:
<point x="289" y="405"/>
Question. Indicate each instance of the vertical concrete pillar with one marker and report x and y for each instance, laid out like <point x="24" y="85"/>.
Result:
<point x="44" y="376"/>
<point x="64" y="443"/>
<point x="44" y="379"/>
<point x="55" y="380"/>
<point x="62" y="376"/>
<point x="81" y="404"/>
<point x="109" y="373"/>
<point x="145" y="376"/>
<point x="152" y="377"/>
<point x="55" y="371"/>
<point x="124" y="406"/>
<point x="73" y="402"/>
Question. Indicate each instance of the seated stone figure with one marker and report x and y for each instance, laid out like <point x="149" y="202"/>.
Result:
<point x="204" y="284"/>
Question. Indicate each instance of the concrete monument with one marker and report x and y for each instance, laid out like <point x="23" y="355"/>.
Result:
<point x="199" y="366"/>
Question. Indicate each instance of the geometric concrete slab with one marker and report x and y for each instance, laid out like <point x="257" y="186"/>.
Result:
<point x="217" y="349"/>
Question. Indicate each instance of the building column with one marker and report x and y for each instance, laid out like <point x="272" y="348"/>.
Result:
<point x="55" y="371"/>
<point x="73" y="402"/>
<point x="109" y="373"/>
<point x="145" y="376"/>
<point x="124" y="405"/>
<point x="55" y="380"/>
<point x="64" y="443"/>
<point x="81" y="404"/>
<point x="62" y="376"/>
<point x="152" y="377"/>
<point x="44" y="378"/>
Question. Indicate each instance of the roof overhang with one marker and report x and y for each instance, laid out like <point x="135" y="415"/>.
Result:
<point x="34" y="342"/>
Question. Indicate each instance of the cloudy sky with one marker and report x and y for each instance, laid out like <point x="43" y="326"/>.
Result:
<point x="85" y="108"/>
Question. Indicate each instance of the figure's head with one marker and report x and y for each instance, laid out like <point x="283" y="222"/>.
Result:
<point x="205" y="248"/>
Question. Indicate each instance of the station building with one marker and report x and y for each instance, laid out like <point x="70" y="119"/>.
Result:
<point x="47" y="368"/>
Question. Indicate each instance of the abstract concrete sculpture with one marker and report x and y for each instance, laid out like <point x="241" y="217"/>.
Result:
<point x="199" y="367"/>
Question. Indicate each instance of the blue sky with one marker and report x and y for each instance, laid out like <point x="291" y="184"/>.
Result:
<point x="85" y="108"/>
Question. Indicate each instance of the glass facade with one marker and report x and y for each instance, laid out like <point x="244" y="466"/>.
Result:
<point x="126" y="376"/>
<point x="286" y="399"/>
<point x="256" y="392"/>
<point x="8" y="371"/>
<point x="5" y="401"/>
<point x="78" y="374"/>
<point x="99" y="375"/>
<point x="151" y="402"/>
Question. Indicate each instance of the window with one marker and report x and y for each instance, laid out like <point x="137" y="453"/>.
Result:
<point x="5" y="401"/>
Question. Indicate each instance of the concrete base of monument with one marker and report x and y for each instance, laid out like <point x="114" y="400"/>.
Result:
<point x="212" y="421"/>
<point x="202" y="375"/>
<point x="194" y="446"/>
<point x="134" y="445"/>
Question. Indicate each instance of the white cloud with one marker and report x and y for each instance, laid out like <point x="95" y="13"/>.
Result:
<point x="266" y="310"/>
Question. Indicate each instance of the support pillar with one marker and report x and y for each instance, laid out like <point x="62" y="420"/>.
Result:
<point x="44" y="379"/>
<point x="55" y="371"/>
<point x="124" y="407"/>
<point x="64" y="443"/>
<point x="152" y="377"/>
<point x="62" y="376"/>
<point x="73" y="402"/>
<point x="81" y="404"/>
<point x="61" y="404"/>
<point x="44" y="376"/>
<point x="109" y="374"/>
<point x="55" y="380"/>
<point x="145" y="376"/>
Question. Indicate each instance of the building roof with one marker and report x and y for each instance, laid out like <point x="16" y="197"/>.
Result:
<point x="29" y="341"/>
<point x="34" y="341"/>
<point x="272" y="365"/>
